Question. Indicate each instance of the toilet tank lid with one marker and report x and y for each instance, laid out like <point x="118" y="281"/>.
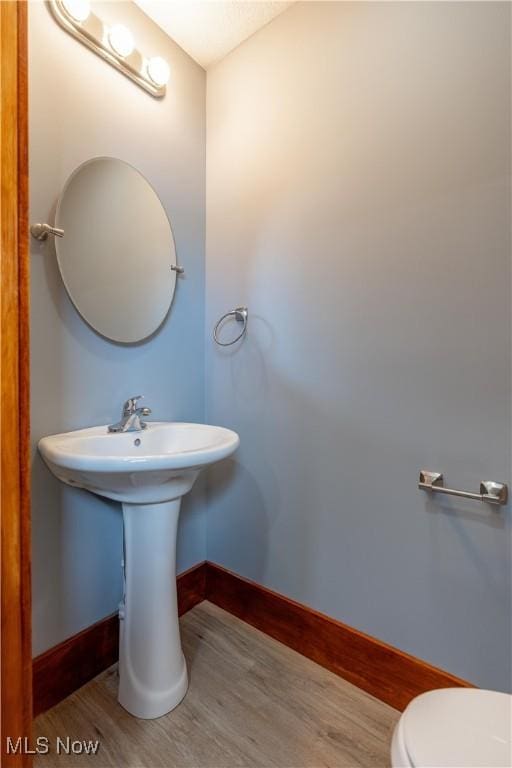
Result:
<point x="456" y="727"/>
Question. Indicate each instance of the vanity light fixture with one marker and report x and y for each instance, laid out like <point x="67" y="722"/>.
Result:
<point x="114" y="44"/>
<point x="121" y="40"/>
<point x="79" y="10"/>
<point x="158" y="70"/>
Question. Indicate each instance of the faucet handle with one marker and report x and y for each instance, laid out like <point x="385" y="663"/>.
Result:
<point x="130" y="405"/>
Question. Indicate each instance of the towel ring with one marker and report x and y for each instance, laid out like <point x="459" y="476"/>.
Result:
<point x="241" y="315"/>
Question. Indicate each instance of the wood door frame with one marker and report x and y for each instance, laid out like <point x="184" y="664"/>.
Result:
<point x="16" y="652"/>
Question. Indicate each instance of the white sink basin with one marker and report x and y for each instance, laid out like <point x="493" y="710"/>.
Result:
<point x="158" y="464"/>
<point x="148" y="472"/>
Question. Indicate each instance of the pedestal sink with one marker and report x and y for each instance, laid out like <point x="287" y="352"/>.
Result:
<point x="148" y="472"/>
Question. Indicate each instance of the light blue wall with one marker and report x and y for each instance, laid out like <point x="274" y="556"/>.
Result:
<point x="80" y="108"/>
<point x="358" y="200"/>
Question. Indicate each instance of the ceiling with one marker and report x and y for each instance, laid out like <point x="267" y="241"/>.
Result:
<point x="209" y="29"/>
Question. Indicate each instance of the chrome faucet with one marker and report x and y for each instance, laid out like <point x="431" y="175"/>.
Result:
<point x="131" y="417"/>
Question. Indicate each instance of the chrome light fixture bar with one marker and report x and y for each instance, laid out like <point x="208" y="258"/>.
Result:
<point x="114" y="45"/>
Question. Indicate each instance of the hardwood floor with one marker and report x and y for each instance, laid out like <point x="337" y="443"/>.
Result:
<point x="252" y="702"/>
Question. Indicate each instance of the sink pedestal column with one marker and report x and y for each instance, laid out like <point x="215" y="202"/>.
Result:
<point x="152" y="670"/>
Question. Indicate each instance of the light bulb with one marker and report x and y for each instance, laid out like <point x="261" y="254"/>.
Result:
<point x="79" y="10"/>
<point x="121" y="40"/>
<point x="158" y="70"/>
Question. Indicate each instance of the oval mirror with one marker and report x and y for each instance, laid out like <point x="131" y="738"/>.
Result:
<point x="116" y="254"/>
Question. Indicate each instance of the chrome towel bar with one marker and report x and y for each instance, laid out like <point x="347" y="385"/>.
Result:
<point x="490" y="491"/>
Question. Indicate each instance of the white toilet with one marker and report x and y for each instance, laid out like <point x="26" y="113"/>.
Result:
<point x="454" y="728"/>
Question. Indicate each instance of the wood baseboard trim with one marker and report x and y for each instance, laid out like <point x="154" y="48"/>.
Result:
<point x="191" y="586"/>
<point x="59" y="671"/>
<point x="389" y="674"/>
